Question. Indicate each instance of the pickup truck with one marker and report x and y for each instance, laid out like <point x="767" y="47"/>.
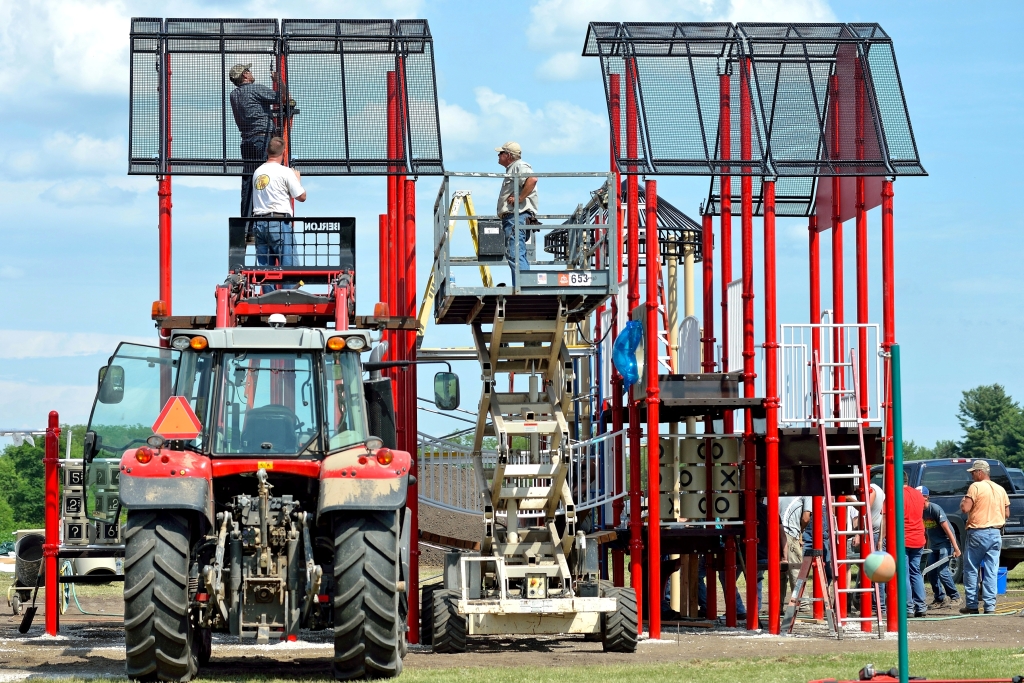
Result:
<point x="947" y="481"/>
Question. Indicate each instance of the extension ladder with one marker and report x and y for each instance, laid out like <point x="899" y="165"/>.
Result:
<point x="529" y="485"/>
<point x="843" y="397"/>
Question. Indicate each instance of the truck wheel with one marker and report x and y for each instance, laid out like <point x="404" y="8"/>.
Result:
<point x="427" y="615"/>
<point x="449" y="627"/>
<point x="619" y="628"/>
<point x="367" y="627"/>
<point x="158" y="632"/>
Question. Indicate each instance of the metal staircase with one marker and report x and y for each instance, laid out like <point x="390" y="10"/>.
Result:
<point x="843" y="394"/>
<point x="529" y="482"/>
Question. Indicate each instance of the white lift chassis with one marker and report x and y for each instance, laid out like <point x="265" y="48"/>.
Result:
<point x="535" y="573"/>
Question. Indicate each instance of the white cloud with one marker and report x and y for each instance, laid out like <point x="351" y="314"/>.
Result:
<point x="557" y="24"/>
<point x="556" y="128"/>
<point x="21" y="344"/>
<point x="26" y="406"/>
<point x="88" y="152"/>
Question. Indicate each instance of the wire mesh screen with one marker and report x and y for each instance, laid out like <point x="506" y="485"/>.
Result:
<point x="826" y="99"/>
<point x="302" y="243"/>
<point x="333" y="82"/>
<point x="794" y="196"/>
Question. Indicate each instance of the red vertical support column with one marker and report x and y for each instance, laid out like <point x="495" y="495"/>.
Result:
<point x="771" y="403"/>
<point x="653" y="263"/>
<point x="413" y="580"/>
<point x="814" y="267"/>
<point x="838" y="317"/>
<point x="385" y="258"/>
<point x="708" y="352"/>
<point x="636" y="544"/>
<point x="889" y="338"/>
<point x="164" y="205"/>
<point x="51" y="546"/>
<point x="392" y="213"/>
<point x="725" y="133"/>
<point x="614" y="205"/>
<point x="747" y="252"/>
<point x="862" y="318"/>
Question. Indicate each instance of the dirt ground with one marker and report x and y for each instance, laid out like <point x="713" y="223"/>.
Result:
<point x="89" y="646"/>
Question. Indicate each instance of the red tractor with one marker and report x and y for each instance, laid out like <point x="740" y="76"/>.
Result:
<point x="268" y="497"/>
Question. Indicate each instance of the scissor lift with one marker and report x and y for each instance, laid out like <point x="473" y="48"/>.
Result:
<point x="535" y="572"/>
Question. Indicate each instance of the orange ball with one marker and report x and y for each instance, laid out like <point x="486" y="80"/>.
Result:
<point x="880" y="566"/>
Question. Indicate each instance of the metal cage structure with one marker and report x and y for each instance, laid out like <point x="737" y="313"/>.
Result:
<point x="332" y="77"/>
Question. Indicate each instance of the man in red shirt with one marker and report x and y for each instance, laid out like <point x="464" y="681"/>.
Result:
<point x="914" y="541"/>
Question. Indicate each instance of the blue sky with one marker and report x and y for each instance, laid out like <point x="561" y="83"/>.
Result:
<point x="79" y="238"/>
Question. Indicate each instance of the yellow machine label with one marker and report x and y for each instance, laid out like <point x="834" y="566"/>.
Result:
<point x="265" y="464"/>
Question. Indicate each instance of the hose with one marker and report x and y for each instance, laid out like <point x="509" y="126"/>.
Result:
<point x="74" y="596"/>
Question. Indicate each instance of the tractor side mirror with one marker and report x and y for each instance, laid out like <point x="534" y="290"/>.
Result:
<point x="446" y="391"/>
<point x="111" y="384"/>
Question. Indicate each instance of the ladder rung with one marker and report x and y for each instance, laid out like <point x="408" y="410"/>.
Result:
<point x="855" y="590"/>
<point x="838" y="392"/>
<point x="842" y="448"/>
<point x="851" y="532"/>
<point x="835" y="365"/>
<point x="848" y="503"/>
<point x="845" y="476"/>
<point x="845" y="619"/>
<point x="853" y="561"/>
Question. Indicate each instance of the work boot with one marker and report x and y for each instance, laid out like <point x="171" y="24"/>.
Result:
<point x="968" y="610"/>
<point x="939" y="602"/>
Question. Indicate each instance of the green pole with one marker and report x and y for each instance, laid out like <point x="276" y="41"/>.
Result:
<point x="901" y="550"/>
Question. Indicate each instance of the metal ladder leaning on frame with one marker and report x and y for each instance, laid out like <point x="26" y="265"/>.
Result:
<point x="821" y="372"/>
<point x="534" y="482"/>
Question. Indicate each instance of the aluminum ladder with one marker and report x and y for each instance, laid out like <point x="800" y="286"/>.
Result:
<point x="529" y="485"/>
<point x="843" y="397"/>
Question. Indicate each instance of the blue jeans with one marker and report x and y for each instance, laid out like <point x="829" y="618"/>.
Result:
<point x="915" y="582"/>
<point x="508" y="228"/>
<point x="983" y="545"/>
<point x="275" y="246"/>
<point x="254" y="153"/>
<point x="941" y="579"/>
<point x="702" y="589"/>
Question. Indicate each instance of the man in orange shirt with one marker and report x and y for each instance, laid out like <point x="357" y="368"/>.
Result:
<point x="987" y="507"/>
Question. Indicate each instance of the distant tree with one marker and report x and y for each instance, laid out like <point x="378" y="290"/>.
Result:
<point x="993" y="425"/>
<point x="911" y="451"/>
<point x="946" y="448"/>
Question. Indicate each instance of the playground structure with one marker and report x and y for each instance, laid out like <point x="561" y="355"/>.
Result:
<point x="820" y="119"/>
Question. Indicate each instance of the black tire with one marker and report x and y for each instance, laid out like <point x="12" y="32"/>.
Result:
<point x="619" y="628"/>
<point x="449" y="627"/>
<point x="158" y="631"/>
<point x="367" y="623"/>
<point x="427" y="614"/>
<point x="204" y="646"/>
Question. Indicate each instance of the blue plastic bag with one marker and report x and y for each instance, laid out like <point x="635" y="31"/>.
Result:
<point x="624" y="352"/>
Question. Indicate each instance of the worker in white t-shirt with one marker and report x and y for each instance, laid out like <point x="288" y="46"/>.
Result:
<point x="274" y="186"/>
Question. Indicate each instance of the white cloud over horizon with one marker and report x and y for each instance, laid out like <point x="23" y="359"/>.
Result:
<point x="556" y="24"/>
<point x="26" y="405"/>
<point x="24" y="344"/>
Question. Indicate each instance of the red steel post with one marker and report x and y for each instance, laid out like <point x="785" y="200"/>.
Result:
<point x="392" y="212"/>
<point x="862" y="319"/>
<point x="633" y="300"/>
<point x="51" y="474"/>
<point x="615" y="205"/>
<point x="725" y="133"/>
<point x="164" y="201"/>
<point x="653" y="263"/>
<point x="708" y="340"/>
<point x="814" y="266"/>
<point x="413" y="580"/>
<point x="771" y="403"/>
<point x="385" y="258"/>
<point x="889" y="338"/>
<point x="747" y="258"/>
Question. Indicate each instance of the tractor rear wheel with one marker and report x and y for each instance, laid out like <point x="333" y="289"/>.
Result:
<point x="367" y="623"/>
<point x="158" y="632"/>
<point x="449" y="627"/>
<point x="427" y="615"/>
<point x="619" y="628"/>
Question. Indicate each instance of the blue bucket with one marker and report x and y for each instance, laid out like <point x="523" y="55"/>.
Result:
<point x="1001" y="581"/>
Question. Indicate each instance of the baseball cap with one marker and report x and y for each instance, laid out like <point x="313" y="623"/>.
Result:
<point x="512" y="148"/>
<point x="979" y="465"/>
<point x="923" y="490"/>
<point x="237" y="70"/>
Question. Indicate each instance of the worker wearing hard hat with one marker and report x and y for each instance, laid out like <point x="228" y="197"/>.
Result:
<point x="250" y="105"/>
<point x="510" y="155"/>
<point x="274" y="187"/>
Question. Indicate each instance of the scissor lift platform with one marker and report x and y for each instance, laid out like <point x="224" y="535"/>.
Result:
<point x="463" y="309"/>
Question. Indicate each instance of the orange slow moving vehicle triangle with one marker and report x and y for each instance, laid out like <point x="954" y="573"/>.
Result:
<point x="177" y="420"/>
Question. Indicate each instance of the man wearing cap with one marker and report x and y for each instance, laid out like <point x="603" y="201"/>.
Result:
<point x="250" y="105"/>
<point x="942" y="542"/>
<point x="510" y="156"/>
<point x="987" y="506"/>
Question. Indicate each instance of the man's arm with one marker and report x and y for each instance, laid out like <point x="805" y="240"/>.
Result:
<point x="952" y="537"/>
<point x="528" y="187"/>
<point x="298" y="185"/>
<point x="967" y="504"/>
